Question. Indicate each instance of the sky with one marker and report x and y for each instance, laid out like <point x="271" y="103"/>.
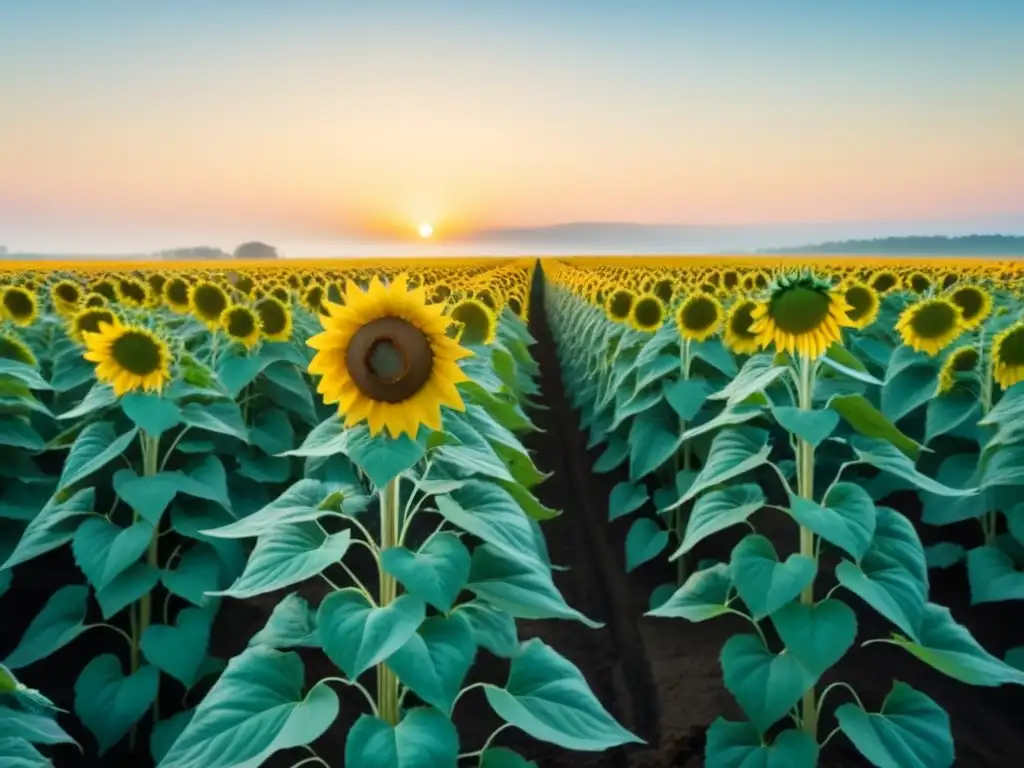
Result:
<point x="335" y="126"/>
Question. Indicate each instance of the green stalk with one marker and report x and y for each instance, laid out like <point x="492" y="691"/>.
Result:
<point x="387" y="683"/>
<point x="990" y="521"/>
<point x="150" y="459"/>
<point x="681" y="516"/>
<point x="805" y="483"/>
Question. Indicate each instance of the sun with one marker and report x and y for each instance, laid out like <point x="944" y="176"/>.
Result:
<point x="425" y="230"/>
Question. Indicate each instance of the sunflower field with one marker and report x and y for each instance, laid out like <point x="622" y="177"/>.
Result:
<point x="344" y="442"/>
<point x="848" y="409"/>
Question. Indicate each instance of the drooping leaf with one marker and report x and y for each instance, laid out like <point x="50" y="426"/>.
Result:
<point x="434" y="661"/>
<point x="108" y="703"/>
<point x="719" y="510"/>
<point x="60" y="621"/>
<point x="645" y="540"/>
<point x="491" y="627"/>
<point x="704" y="595"/>
<point x="96" y="446"/>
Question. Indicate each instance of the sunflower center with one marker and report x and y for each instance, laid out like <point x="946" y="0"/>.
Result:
<point x="663" y="290"/>
<point x="1011" y="350"/>
<point x="18" y="303"/>
<point x="883" y="282"/>
<point x="210" y="301"/>
<point x="137" y="353"/>
<point x="241" y="324"/>
<point x="970" y="302"/>
<point x="89" y="322"/>
<point x="860" y="301"/>
<point x="741" y="320"/>
<point x="620" y="304"/>
<point x="964" y="359"/>
<point x="67" y="292"/>
<point x="919" y="283"/>
<point x="699" y="313"/>
<point x="648" y="312"/>
<point x="933" y="321"/>
<point x="389" y="359"/>
<point x="272" y="316"/>
<point x="800" y="309"/>
<point x="177" y="291"/>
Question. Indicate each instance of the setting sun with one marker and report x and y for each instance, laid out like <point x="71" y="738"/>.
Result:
<point x="426" y="230"/>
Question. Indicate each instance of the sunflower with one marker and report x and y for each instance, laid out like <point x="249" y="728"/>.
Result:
<point x="647" y="313"/>
<point x="884" y="281"/>
<point x="960" y="360"/>
<point x="89" y="321"/>
<point x="739" y="339"/>
<point x="699" y="317"/>
<point x="384" y="358"/>
<point x="919" y="282"/>
<point x="129" y="358"/>
<point x="618" y="304"/>
<point x="975" y="304"/>
<point x="1008" y="356"/>
<point x="66" y="296"/>
<point x="275" y="319"/>
<point x="930" y="325"/>
<point x="19" y="305"/>
<point x="132" y="293"/>
<point x="13" y="348"/>
<point x="477" y="321"/>
<point x="241" y="324"/>
<point x="208" y="301"/>
<point x="94" y="300"/>
<point x="104" y="288"/>
<point x="863" y="303"/>
<point x="802" y="315"/>
<point x="176" y="295"/>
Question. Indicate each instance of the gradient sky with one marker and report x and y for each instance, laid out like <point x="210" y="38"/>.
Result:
<point x="138" y="125"/>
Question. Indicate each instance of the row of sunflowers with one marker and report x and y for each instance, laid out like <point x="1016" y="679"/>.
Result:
<point x="177" y="441"/>
<point x="737" y="397"/>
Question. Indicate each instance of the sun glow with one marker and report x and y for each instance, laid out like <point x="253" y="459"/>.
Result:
<point x="425" y="230"/>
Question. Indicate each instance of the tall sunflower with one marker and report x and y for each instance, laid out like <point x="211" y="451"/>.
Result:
<point x="930" y="325"/>
<point x="647" y="313"/>
<point x="207" y="300"/>
<point x="738" y="337"/>
<point x="477" y="321"/>
<point x="385" y="358"/>
<point x="960" y="361"/>
<point x="176" y="295"/>
<point x="19" y="305"/>
<point x="129" y="358"/>
<point x="618" y="304"/>
<point x="89" y="320"/>
<point x="863" y="303"/>
<point x="802" y="315"/>
<point x="1008" y="356"/>
<point x="275" y="319"/>
<point x="241" y="324"/>
<point x="975" y="304"/>
<point x="699" y="317"/>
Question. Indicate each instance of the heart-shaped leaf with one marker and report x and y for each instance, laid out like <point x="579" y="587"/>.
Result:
<point x="704" y="595"/>
<point x="645" y="541"/>
<point x="435" y="661"/>
<point x="739" y="745"/>
<point x="762" y="581"/>
<point x="179" y="650"/>
<point x="292" y="624"/>
<point x="104" y="551"/>
<point x="108" y="703"/>
<point x="435" y="574"/>
<point x="766" y="685"/>
<point x="490" y="627"/>
<point x="151" y="413"/>
<point x="719" y="510"/>
<point x="819" y="634"/>
<point x="847" y="518"/>
<point x="425" y="737"/>
<point x="810" y="426"/>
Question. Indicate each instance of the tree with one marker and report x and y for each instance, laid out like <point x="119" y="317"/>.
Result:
<point x="255" y="250"/>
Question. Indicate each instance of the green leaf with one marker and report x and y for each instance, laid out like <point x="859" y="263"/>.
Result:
<point x="424" y="738"/>
<point x="491" y="514"/>
<point x="857" y="411"/>
<point x="288" y="555"/>
<point x="292" y="624"/>
<point x="993" y="576"/>
<point x="16" y="432"/>
<point x="179" y="650"/>
<point x="60" y="621"/>
<point x="108" y="703"/>
<point x="273" y="432"/>
<point x="764" y="583"/>
<point x="151" y="413"/>
<point x="626" y="498"/>
<point x="645" y="541"/>
<point x="892" y="577"/>
<point x="819" y="634"/>
<point x="719" y="510"/>
<point x="846" y="520"/>
<point x="301" y="503"/>
<point x="95" y="447"/>
<point x="435" y="574"/>
<point x="948" y="411"/>
<point x="194" y="575"/>
<point x="435" y="661"/>
<point x="30" y="728"/>
<point x="500" y="757"/>
<point x="491" y="627"/>
<point x="686" y="396"/>
<point x="22" y="372"/>
<point x="126" y="588"/>
<point x="908" y="387"/>
<point x="16" y="752"/>
<point x="714" y="353"/>
<point x="704" y="595"/>
<point x="104" y="551"/>
<point x="756" y="375"/>
<point x="739" y="745"/>
<point x="54" y="526"/>
<point x="547" y="697"/>
<point x="948" y="647"/>
<point x="355" y="635"/>
<point x="522" y="587"/>
<point x="256" y="708"/>
<point x="733" y="452"/>
<point x="654" y="437"/>
<point x="945" y="554"/>
<point x="221" y="418"/>
<point x="911" y="731"/>
<point x="884" y="457"/>
<point x="383" y="458"/>
<point x="147" y="496"/>
<point x="810" y="426"/>
<point x="166" y="732"/>
<point x="840" y="359"/>
<point x="765" y="685"/>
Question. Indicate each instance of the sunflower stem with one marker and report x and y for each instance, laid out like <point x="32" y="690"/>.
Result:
<point x="387" y="683"/>
<point x="805" y="485"/>
<point x="990" y="522"/>
<point x="682" y="514"/>
<point x="150" y="458"/>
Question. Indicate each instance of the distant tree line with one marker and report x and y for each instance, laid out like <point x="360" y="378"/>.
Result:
<point x="922" y="245"/>
<point x="250" y="250"/>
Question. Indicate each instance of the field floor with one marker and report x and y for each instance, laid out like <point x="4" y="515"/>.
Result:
<point x="660" y="678"/>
